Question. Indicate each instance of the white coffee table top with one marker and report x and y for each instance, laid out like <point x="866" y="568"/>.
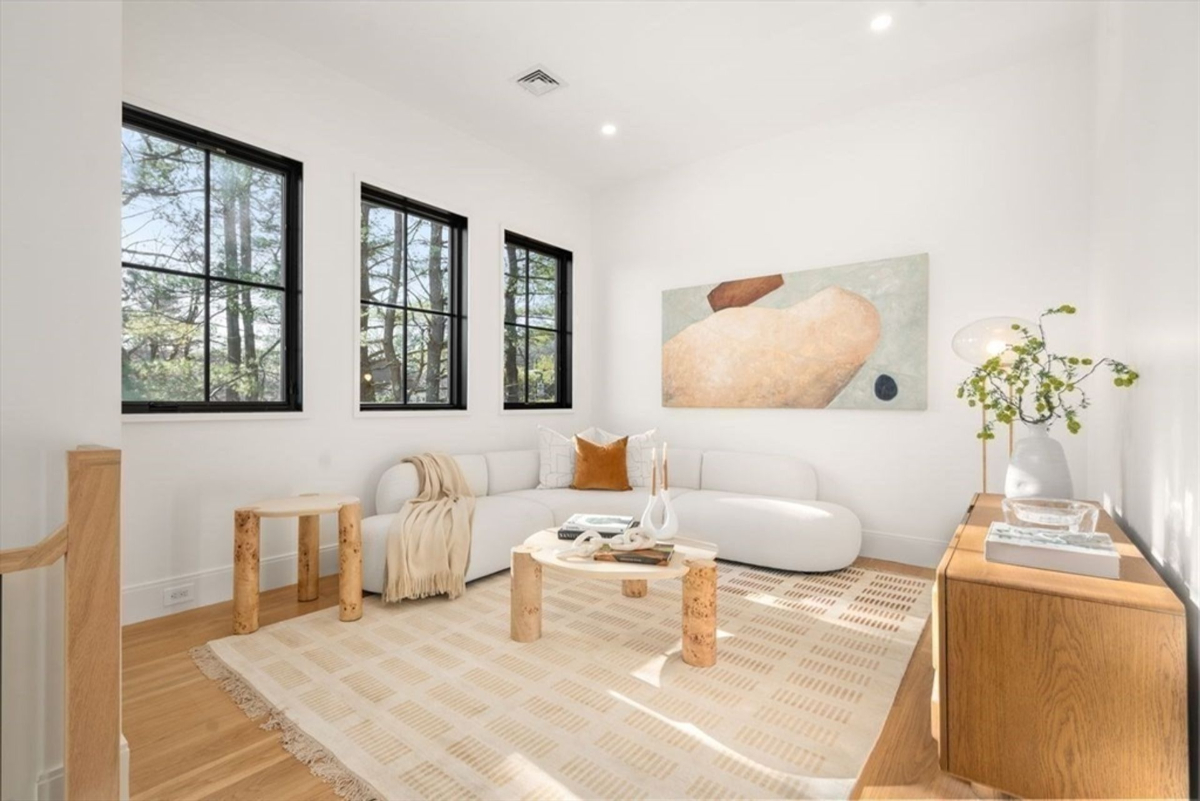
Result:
<point x="547" y="546"/>
<point x="300" y="505"/>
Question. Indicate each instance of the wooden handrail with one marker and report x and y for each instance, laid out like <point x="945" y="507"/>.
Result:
<point x="44" y="553"/>
<point x="90" y="545"/>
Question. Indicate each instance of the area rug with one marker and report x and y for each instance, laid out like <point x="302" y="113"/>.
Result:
<point x="432" y="699"/>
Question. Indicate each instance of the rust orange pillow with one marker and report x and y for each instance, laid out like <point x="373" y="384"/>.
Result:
<point x="600" y="467"/>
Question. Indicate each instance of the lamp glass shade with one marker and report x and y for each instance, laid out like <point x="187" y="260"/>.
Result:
<point x="983" y="339"/>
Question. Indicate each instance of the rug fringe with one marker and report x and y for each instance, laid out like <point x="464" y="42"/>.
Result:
<point x="323" y="764"/>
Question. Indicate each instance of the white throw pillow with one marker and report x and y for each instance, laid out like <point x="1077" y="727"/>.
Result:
<point x="557" y="456"/>
<point x="638" y="461"/>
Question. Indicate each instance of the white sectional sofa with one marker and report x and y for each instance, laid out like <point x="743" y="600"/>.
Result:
<point x="759" y="509"/>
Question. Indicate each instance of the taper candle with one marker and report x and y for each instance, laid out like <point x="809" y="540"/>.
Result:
<point x="666" y="482"/>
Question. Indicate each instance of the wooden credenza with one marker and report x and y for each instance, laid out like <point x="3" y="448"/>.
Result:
<point x="1052" y="685"/>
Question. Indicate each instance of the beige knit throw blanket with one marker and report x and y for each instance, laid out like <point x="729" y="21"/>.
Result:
<point x="429" y="542"/>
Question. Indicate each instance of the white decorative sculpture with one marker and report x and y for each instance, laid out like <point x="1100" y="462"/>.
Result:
<point x="589" y="542"/>
<point x="670" y="524"/>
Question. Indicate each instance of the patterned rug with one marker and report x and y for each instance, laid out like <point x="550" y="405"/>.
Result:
<point x="431" y="699"/>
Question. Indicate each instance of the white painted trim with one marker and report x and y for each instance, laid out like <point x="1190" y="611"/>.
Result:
<point x="145" y="601"/>
<point x="209" y="417"/>
<point x="902" y="548"/>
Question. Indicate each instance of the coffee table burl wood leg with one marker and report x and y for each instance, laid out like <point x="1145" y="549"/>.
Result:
<point x="245" y="571"/>
<point x="633" y="588"/>
<point x="526" y="612"/>
<point x="350" y="589"/>
<point x="700" y="613"/>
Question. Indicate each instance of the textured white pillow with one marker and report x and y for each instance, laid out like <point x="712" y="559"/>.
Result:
<point x="638" y="461"/>
<point x="557" y="456"/>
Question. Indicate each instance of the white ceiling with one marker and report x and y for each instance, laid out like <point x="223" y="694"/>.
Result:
<point x="681" y="80"/>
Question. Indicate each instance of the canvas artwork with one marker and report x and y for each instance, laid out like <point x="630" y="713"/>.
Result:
<point x="848" y="337"/>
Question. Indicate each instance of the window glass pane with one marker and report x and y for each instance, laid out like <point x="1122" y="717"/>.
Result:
<point x="162" y="348"/>
<point x="514" y="299"/>
<point x="428" y="362"/>
<point x="542" y="266"/>
<point x="381" y="345"/>
<point x="428" y="264"/>
<point x="382" y="260"/>
<point x="514" y="260"/>
<point x="162" y="202"/>
<point x="543" y="301"/>
<point x="543" y="372"/>
<point x="246" y="343"/>
<point x="246" y="222"/>
<point x="514" y="364"/>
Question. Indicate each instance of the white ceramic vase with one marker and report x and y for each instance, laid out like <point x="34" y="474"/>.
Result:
<point x="670" y="524"/>
<point x="1038" y="467"/>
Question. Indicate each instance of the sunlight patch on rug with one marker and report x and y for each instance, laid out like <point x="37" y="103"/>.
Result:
<point x="431" y="699"/>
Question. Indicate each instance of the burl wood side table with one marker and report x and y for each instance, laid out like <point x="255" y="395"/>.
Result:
<point x="308" y="509"/>
<point x="695" y="564"/>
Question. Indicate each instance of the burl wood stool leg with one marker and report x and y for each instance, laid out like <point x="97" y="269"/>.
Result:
<point x="350" y="562"/>
<point x="526" y="613"/>
<point x="700" y="613"/>
<point x="633" y="588"/>
<point x="245" y="572"/>
<point x="308" y="565"/>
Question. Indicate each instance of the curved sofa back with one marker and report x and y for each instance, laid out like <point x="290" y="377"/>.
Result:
<point x="758" y="474"/>
<point x="498" y="472"/>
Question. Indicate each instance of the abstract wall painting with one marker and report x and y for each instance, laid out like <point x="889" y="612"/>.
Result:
<point x="848" y="337"/>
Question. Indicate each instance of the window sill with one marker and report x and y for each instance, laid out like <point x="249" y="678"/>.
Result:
<point x="401" y="414"/>
<point x="210" y="417"/>
<point x="538" y="411"/>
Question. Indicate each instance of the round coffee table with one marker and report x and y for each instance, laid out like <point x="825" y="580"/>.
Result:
<point x="308" y="509"/>
<point x="694" y="563"/>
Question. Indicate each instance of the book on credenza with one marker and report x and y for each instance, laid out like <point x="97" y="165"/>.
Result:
<point x="1052" y="549"/>
<point x="606" y="525"/>
<point x="658" y="555"/>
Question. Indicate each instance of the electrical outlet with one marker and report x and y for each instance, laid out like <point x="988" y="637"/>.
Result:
<point x="178" y="595"/>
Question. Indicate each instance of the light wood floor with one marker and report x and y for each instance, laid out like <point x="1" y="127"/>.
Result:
<point x="187" y="740"/>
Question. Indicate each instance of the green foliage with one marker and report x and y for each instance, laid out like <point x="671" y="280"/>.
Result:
<point x="1030" y="383"/>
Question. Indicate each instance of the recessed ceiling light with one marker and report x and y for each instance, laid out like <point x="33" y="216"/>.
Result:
<point x="608" y="129"/>
<point x="881" y="23"/>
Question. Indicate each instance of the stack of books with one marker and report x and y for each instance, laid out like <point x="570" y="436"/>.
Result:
<point x="658" y="555"/>
<point x="1053" y="549"/>
<point x="607" y="525"/>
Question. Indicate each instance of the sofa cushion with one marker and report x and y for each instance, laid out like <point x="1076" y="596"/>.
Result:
<point x="501" y="523"/>
<point x="511" y="470"/>
<point x="399" y="482"/>
<point x="684" y="468"/>
<point x="601" y="467"/>
<point x="565" y="502"/>
<point x="783" y="533"/>
<point x="771" y="475"/>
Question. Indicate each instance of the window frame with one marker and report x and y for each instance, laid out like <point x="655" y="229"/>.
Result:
<point x="564" y="382"/>
<point x="291" y="216"/>
<point x="456" y="314"/>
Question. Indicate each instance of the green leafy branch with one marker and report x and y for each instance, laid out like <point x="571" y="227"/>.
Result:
<point x="1030" y="383"/>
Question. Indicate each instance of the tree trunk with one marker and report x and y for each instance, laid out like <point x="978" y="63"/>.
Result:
<point x="233" y="341"/>
<point x="437" y="332"/>
<point x="249" y="348"/>
<point x="511" y="286"/>
<point x="367" y="394"/>
<point x="389" y="315"/>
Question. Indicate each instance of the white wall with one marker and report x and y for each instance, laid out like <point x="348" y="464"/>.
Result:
<point x="1145" y="442"/>
<point x="988" y="175"/>
<point x="60" y="328"/>
<point x="183" y="479"/>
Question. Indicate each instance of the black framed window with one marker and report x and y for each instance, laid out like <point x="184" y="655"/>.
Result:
<point x="537" y="324"/>
<point x="210" y="254"/>
<point x="412" y="345"/>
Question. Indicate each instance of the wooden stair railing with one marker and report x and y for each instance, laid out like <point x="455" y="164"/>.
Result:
<point x="89" y="543"/>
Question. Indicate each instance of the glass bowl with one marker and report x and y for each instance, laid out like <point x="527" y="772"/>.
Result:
<point x="1077" y="517"/>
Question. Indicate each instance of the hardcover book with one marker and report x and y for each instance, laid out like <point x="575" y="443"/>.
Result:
<point x="1050" y="549"/>
<point x="606" y="525"/>
<point x="657" y="555"/>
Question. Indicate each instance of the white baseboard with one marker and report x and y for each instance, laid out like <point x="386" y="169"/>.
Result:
<point x="52" y="785"/>
<point x="145" y="601"/>
<point x="902" y="548"/>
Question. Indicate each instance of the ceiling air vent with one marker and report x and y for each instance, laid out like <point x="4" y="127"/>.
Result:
<point x="538" y="81"/>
